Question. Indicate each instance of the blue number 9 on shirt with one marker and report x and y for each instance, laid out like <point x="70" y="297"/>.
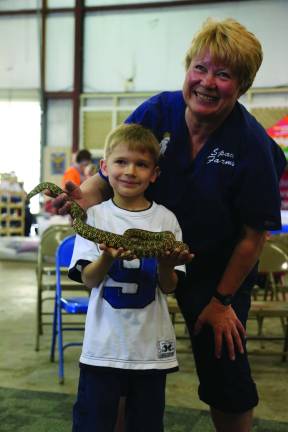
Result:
<point x="131" y="284"/>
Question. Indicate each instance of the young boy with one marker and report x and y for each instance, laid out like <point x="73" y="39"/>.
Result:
<point x="129" y="341"/>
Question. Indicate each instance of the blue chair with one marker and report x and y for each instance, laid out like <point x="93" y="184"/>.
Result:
<point x="71" y="305"/>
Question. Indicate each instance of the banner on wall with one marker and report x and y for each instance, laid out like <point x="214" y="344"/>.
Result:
<point x="279" y="132"/>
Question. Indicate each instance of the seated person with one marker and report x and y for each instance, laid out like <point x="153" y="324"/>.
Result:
<point x="76" y="173"/>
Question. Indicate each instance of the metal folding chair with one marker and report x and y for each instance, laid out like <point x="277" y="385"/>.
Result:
<point x="70" y="305"/>
<point x="45" y="272"/>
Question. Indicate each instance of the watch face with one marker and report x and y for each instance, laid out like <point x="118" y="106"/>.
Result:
<point x="227" y="300"/>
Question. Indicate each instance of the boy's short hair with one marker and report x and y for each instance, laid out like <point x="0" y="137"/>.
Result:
<point x="136" y="137"/>
<point x="231" y="43"/>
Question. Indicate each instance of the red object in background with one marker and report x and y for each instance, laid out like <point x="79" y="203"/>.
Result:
<point x="279" y="132"/>
<point x="49" y="207"/>
<point x="284" y="191"/>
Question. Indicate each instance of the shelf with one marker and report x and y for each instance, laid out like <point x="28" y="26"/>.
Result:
<point x="12" y="212"/>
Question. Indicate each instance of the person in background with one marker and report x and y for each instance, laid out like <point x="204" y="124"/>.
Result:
<point x="76" y="173"/>
<point x="129" y="343"/>
<point x="220" y="176"/>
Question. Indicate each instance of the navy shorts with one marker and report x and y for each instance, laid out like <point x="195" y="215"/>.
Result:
<point x="99" y="392"/>
<point x="225" y="385"/>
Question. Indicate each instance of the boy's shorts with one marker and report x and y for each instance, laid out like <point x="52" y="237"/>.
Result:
<point x="225" y="384"/>
<point x="98" y="398"/>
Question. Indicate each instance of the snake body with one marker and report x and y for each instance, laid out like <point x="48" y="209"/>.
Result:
<point x="139" y="242"/>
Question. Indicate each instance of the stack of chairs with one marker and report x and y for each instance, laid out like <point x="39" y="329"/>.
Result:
<point x="273" y="267"/>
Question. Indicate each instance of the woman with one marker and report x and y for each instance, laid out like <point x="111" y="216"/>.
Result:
<point x="219" y="175"/>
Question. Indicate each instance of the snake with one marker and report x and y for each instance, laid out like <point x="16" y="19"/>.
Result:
<point x="141" y="243"/>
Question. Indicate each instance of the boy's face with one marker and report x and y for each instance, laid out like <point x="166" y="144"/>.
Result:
<point x="130" y="171"/>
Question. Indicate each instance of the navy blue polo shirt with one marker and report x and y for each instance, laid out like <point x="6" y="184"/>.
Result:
<point x="232" y="181"/>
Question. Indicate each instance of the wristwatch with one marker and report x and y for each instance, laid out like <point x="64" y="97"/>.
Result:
<point x="225" y="299"/>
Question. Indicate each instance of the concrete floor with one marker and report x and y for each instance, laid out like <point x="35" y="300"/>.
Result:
<point x="23" y="368"/>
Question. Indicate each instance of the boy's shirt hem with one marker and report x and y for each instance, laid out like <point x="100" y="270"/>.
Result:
<point x="103" y="369"/>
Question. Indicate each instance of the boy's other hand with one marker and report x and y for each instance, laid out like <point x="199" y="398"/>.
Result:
<point x="175" y="257"/>
<point x="119" y="253"/>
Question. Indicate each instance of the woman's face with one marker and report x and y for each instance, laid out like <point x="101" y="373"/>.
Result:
<point x="210" y="90"/>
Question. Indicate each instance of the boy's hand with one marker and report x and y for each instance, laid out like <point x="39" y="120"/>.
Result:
<point x="114" y="253"/>
<point x="62" y="203"/>
<point x="174" y="258"/>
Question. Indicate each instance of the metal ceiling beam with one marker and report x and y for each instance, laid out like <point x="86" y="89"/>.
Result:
<point x="119" y="7"/>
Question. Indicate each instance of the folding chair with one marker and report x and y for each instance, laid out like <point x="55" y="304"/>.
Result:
<point x="45" y="272"/>
<point x="71" y="305"/>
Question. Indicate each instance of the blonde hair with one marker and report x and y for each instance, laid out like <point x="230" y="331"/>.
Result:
<point x="136" y="137"/>
<point x="229" y="42"/>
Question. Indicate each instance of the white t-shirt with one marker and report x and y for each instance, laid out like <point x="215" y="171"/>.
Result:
<point x="128" y="325"/>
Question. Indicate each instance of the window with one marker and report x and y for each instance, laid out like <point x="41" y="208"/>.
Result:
<point x="20" y="142"/>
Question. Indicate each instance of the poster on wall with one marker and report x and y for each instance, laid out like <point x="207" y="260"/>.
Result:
<point x="58" y="163"/>
<point x="279" y="132"/>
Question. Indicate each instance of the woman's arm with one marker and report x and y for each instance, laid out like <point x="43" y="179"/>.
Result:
<point x="92" y="191"/>
<point x="222" y="318"/>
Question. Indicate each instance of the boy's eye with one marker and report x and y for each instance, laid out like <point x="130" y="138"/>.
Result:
<point x="142" y="164"/>
<point x="120" y="161"/>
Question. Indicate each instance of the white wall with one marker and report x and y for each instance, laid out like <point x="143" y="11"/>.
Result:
<point x="150" y="45"/>
<point x="19" y="52"/>
<point x="145" y="45"/>
<point x="60" y="52"/>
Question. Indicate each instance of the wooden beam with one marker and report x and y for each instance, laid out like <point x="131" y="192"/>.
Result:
<point x="78" y="71"/>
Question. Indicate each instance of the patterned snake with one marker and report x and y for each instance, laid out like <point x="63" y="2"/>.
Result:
<point x="139" y="242"/>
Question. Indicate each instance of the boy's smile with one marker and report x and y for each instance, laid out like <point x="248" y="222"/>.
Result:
<point x="130" y="172"/>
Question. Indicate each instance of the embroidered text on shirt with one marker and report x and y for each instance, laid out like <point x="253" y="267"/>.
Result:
<point x="164" y="143"/>
<point x="220" y="157"/>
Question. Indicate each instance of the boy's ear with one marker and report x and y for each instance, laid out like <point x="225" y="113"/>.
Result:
<point x="103" y="167"/>
<point x="155" y="174"/>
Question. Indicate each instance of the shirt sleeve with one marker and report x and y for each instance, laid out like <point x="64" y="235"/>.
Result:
<point x="258" y="201"/>
<point x="84" y="252"/>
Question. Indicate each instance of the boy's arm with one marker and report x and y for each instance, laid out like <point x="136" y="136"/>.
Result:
<point x="167" y="278"/>
<point x="94" y="273"/>
<point x="167" y="274"/>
